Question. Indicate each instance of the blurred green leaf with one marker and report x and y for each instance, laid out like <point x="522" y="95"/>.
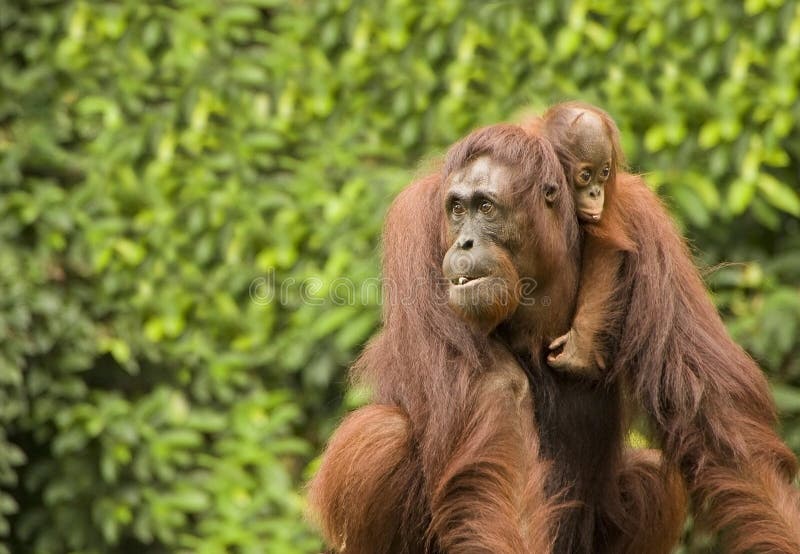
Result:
<point x="786" y="398"/>
<point x="779" y="194"/>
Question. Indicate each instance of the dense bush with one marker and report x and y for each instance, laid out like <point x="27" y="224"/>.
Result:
<point x="172" y="175"/>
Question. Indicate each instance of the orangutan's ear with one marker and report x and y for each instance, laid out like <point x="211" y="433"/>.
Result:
<point x="550" y="193"/>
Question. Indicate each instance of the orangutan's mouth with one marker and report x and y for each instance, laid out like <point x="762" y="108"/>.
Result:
<point x="462" y="280"/>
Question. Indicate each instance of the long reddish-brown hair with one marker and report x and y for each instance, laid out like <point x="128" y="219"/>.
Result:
<point x="426" y="359"/>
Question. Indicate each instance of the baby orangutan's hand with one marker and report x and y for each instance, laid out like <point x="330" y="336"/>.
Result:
<point x="577" y="355"/>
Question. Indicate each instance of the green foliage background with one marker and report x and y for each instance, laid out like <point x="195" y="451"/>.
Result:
<point x="166" y="166"/>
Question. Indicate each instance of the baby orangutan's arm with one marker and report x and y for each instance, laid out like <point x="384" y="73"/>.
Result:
<point x="583" y="352"/>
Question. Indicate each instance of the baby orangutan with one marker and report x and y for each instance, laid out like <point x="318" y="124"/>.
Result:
<point x="587" y="143"/>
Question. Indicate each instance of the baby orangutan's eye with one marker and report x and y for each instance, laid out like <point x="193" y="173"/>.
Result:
<point x="585" y="175"/>
<point x="486" y="207"/>
<point x="606" y="172"/>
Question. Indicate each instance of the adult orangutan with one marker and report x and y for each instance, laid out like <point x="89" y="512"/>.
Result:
<point x="472" y="443"/>
<point x="708" y="400"/>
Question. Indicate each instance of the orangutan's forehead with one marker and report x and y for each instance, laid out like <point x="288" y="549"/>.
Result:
<point x="484" y="173"/>
<point x="591" y="140"/>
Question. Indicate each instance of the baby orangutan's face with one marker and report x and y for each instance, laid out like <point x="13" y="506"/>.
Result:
<point x="592" y="148"/>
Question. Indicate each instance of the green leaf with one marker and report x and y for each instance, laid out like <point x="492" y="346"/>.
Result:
<point x="779" y="194"/>
<point x="787" y="398"/>
<point x="740" y="194"/>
